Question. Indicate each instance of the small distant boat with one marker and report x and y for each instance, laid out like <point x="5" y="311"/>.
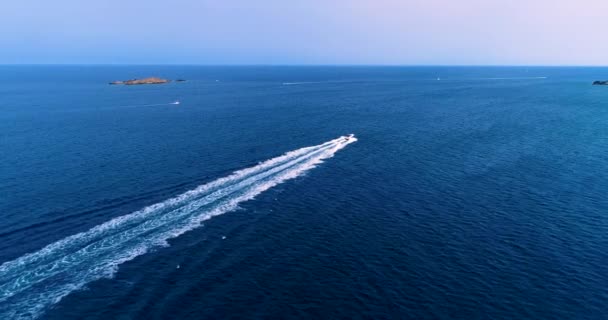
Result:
<point x="175" y="102"/>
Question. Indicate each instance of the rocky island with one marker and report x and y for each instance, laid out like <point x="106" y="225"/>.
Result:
<point x="151" y="80"/>
<point x="600" y="83"/>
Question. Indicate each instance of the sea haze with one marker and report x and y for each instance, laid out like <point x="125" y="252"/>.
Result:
<point x="465" y="192"/>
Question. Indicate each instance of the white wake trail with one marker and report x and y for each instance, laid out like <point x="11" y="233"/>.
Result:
<point x="31" y="283"/>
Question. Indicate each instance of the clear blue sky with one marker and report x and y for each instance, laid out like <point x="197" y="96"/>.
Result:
<point x="411" y="32"/>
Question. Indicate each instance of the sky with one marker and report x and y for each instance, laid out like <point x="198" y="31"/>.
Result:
<point x="303" y="32"/>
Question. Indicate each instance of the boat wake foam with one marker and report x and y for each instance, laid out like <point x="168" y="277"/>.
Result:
<point x="35" y="281"/>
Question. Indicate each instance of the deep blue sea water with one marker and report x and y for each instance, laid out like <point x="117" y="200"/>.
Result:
<point x="471" y="193"/>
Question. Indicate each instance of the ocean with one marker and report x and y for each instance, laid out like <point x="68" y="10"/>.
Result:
<point x="463" y="192"/>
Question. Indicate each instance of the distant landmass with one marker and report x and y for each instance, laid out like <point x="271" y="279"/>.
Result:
<point x="600" y="83"/>
<point x="151" y="80"/>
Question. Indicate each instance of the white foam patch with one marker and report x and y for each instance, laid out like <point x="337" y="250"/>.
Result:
<point x="35" y="281"/>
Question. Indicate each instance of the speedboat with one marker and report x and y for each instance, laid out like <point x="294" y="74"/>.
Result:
<point x="350" y="136"/>
<point x="176" y="102"/>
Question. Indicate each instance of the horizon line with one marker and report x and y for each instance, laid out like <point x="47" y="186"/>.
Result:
<point x="309" y="65"/>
